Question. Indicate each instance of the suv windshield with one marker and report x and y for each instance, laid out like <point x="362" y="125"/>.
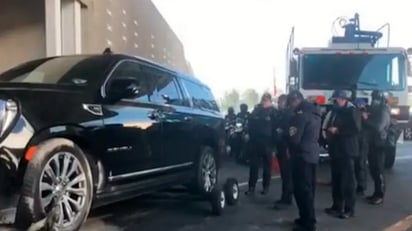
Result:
<point x="366" y="71"/>
<point x="66" y="70"/>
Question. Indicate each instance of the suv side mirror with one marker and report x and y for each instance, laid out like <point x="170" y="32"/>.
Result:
<point x="123" y="88"/>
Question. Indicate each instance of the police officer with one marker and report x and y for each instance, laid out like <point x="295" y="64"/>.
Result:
<point x="344" y="133"/>
<point x="304" y="149"/>
<point x="230" y="116"/>
<point x="361" y="171"/>
<point x="244" y="113"/>
<point x="241" y="151"/>
<point x="282" y="153"/>
<point x="261" y="130"/>
<point x="377" y="121"/>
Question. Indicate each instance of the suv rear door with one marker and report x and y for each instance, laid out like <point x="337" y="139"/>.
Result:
<point x="177" y="124"/>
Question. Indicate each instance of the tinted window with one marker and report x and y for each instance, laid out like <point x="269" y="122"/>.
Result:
<point x="69" y="70"/>
<point x="167" y="90"/>
<point x="366" y="71"/>
<point x="201" y="96"/>
<point x="147" y="84"/>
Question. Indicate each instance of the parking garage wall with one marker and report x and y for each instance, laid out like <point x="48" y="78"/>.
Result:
<point x="22" y="31"/>
<point x="133" y="27"/>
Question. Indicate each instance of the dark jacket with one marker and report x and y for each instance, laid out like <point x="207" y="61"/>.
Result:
<point x="281" y="128"/>
<point x="243" y="115"/>
<point x="261" y="125"/>
<point x="348" y="120"/>
<point x="378" y="124"/>
<point x="231" y="118"/>
<point x="303" y="130"/>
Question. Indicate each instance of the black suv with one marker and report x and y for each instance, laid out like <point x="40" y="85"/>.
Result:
<point x="78" y="132"/>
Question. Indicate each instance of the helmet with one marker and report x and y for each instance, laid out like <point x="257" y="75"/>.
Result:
<point x="378" y="95"/>
<point x="342" y="94"/>
<point x="243" y="107"/>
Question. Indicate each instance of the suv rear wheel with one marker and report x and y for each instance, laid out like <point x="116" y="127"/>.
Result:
<point x="57" y="185"/>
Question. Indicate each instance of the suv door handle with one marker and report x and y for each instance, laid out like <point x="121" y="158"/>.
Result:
<point x="188" y="118"/>
<point x="155" y="114"/>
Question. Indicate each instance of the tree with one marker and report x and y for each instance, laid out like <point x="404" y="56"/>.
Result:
<point x="230" y="99"/>
<point x="250" y="97"/>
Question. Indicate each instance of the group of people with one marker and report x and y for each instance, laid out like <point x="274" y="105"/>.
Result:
<point x="237" y="142"/>
<point x="355" y="133"/>
<point x="357" y="136"/>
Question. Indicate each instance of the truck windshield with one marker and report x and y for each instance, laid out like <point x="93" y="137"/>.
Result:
<point x="66" y="70"/>
<point x="366" y="71"/>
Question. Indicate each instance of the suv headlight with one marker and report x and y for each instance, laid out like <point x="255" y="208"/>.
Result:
<point x="8" y="113"/>
<point x="238" y="125"/>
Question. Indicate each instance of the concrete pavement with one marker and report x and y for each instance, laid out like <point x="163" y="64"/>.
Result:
<point x="180" y="213"/>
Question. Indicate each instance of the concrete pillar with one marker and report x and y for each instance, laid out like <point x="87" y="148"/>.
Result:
<point x="53" y="27"/>
<point x="71" y="27"/>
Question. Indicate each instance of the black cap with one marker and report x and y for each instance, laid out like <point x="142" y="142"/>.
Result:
<point x="283" y="97"/>
<point x="294" y="95"/>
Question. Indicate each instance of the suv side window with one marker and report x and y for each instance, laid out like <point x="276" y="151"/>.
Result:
<point x="146" y="84"/>
<point x="165" y="88"/>
<point x="201" y="95"/>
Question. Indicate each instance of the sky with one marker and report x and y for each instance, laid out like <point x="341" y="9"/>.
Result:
<point x="242" y="43"/>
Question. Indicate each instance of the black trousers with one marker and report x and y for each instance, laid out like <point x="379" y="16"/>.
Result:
<point x="376" y="160"/>
<point x="361" y="167"/>
<point x="285" y="173"/>
<point x="235" y="146"/>
<point x="260" y="153"/>
<point x="304" y="184"/>
<point x="343" y="183"/>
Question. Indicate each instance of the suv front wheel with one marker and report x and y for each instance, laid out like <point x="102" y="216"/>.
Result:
<point x="206" y="171"/>
<point x="57" y="187"/>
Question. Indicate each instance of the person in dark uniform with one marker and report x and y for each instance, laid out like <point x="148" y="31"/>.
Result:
<point x="230" y="116"/>
<point x="261" y="131"/>
<point x="241" y="140"/>
<point x="303" y="145"/>
<point x="230" y="120"/>
<point x="377" y="121"/>
<point x="282" y="153"/>
<point x="344" y="133"/>
<point x="361" y="165"/>
<point x="243" y="113"/>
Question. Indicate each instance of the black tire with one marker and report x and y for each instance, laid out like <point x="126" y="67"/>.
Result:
<point x="30" y="209"/>
<point x="199" y="182"/>
<point x="218" y="201"/>
<point x="390" y="156"/>
<point x="231" y="189"/>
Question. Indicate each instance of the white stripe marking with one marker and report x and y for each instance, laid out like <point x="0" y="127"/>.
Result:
<point x="260" y="180"/>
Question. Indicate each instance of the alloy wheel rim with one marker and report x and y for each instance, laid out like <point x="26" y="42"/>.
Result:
<point x="235" y="191"/>
<point x="209" y="172"/>
<point x="222" y="199"/>
<point x="63" y="188"/>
